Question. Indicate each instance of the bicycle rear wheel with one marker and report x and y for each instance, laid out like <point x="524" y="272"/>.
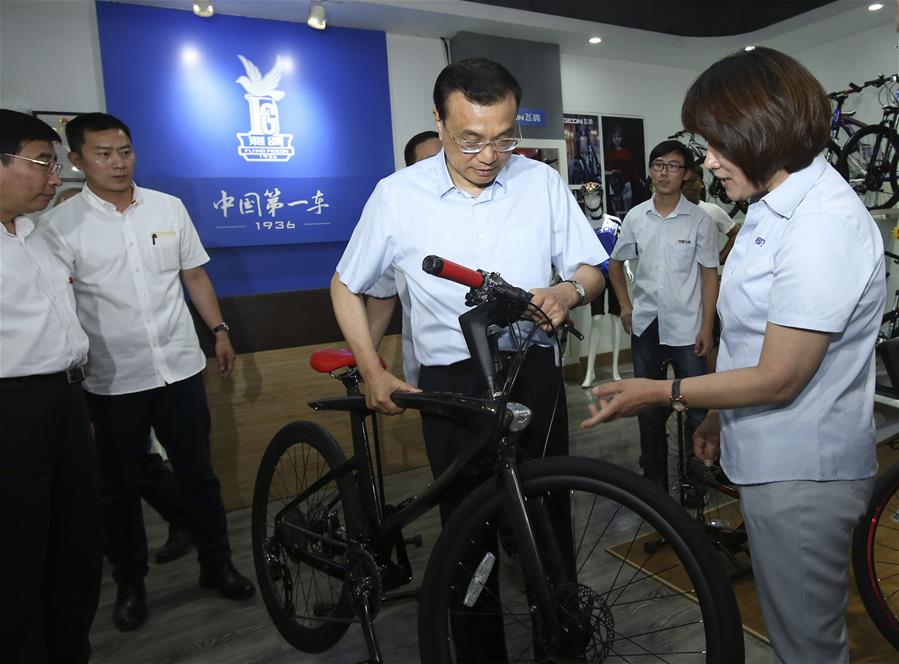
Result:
<point x="868" y="162"/>
<point x="875" y="556"/>
<point x="622" y="599"/>
<point x="300" y="524"/>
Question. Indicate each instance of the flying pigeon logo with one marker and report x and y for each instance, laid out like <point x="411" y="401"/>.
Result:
<point x="264" y="141"/>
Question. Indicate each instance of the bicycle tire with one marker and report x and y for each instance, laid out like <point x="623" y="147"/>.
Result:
<point x="872" y="177"/>
<point x="307" y="451"/>
<point x="712" y="623"/>
<point x="875" y="556"/>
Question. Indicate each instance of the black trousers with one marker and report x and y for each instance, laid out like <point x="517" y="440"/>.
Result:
<point x="159" y="488"/>
<point x="51" y="550"/>
<point x="180" y="416"/>
<point x="649" y="356"/>
<point x="478" y="637"/>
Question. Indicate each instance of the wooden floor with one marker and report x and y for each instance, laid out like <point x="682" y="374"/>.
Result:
<point x="191" y="625"/>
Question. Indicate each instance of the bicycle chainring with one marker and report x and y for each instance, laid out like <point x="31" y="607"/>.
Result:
<point x="364" y="579"/>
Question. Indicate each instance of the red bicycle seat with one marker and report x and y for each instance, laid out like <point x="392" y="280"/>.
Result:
<point x="327" y="360"/>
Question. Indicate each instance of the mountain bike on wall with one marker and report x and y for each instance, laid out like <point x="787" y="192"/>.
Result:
<point x="870" y="158"/>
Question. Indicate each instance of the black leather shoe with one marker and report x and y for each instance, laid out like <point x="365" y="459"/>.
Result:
<point x="130" y="609"/>
<point x="175" y="546"/>
<point x="229" y="582"/>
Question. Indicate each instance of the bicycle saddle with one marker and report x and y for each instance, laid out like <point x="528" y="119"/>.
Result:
<point x="328" y="360"/>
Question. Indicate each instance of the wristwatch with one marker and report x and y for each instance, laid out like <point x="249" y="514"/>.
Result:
<point x="581" y="293"/>
<point x="221" y="326"/>
<point x="678" y="402"/>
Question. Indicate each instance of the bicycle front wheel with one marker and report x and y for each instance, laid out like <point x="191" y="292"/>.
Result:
<point x="638" y="580"/>
<point x="300" y="524"/>
<point x="875" y="556"/>
<point x="868" y="162"/>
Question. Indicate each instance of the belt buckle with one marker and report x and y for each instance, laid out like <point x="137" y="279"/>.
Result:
<point x="75" y="375"/>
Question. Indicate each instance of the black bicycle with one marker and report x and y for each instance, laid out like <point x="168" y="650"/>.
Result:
<point x="329" y="550"/>
<point x="870" y="158"/>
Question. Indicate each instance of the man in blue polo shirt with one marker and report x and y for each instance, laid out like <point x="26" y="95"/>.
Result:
<point x="672" y="313"/>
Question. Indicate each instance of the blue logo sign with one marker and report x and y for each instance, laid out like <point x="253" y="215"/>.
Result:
<point x="531" y="117"/>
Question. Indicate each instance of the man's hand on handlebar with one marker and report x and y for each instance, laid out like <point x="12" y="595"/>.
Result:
<point x="555" y="301"/>
<point x="379" y="386"/>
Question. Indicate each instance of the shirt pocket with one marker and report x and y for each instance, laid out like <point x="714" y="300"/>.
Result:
<point x="166" y="251"/>
<point x="683" y="254"/>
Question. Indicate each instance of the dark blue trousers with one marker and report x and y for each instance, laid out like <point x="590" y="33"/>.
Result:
<point x="179" y="415"/>
<point x="649" y="358"/>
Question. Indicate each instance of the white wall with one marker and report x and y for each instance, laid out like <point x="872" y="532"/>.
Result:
<point x="413" y="64"/>
<point x="50" y="56"/>
<point x="857" y="58"/>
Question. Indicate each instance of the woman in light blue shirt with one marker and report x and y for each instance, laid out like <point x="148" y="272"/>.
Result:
<point x="801" y="300"/>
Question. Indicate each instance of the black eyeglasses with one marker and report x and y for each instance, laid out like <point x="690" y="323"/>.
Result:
<point x="666" y="167"/>
<point x="51" y="167"/>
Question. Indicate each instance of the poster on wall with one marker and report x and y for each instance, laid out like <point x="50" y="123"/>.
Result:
<point x="270" y="132"/>
<point x="582" y="146"/>
<point x="58" y="120"/>
<point x="624" y="157"/>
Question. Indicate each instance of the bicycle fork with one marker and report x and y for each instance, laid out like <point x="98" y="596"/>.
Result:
<point x="535" y="575"/>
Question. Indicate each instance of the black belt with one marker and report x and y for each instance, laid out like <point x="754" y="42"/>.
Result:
<point x="73" y="375"/>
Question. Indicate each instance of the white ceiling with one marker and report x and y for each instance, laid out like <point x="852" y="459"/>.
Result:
<point x="444" y="18"/>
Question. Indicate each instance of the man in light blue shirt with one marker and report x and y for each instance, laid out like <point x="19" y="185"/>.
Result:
<point x="479" y="205"/>
<point x="671" y="318"/>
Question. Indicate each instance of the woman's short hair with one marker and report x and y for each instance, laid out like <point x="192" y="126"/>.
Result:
<point x="760" y="109"/>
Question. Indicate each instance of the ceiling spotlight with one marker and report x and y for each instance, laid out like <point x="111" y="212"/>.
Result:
<point x="204" y="8"/>
<point x="595" y="40"/>
<point x="749" y="48"/>
<point x="318" y="19"/>
<point x="874" y="7"/>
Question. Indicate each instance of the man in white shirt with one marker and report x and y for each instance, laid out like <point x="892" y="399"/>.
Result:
<point x="51" y="556"/>
<point x="727" y="227"/>
<point x="132" y="250"/>
<point x="671" y="315"/>
<point x="479" y="205"/>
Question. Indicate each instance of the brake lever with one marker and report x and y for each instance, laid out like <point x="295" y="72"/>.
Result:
<point x="568" y="326"/>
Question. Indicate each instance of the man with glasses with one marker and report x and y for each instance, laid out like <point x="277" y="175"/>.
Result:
<point x="51" y="555"/>
<point x="479" y="205"/>
<point x="132" y="251"/>
<point x="675" y="288"/>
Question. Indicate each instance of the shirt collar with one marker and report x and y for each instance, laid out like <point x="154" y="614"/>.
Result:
<point x="24" y="227"/>
<point x="106" y="206"/>
<point x="445" y="182"/>
<point x="784" y="198"/>
<point x="682" y="207"/>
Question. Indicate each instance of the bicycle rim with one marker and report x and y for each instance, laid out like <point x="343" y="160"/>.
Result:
<point x="875" y="557"/>
<point x="868" y="162"/>
<point x="643" y="584"/>
<point x="299" y="525"/>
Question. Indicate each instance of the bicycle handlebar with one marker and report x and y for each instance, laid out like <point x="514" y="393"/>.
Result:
<point x="440" y="267"/>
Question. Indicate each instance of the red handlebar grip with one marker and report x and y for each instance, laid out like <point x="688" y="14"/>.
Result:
<point x="440" y="267"/>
